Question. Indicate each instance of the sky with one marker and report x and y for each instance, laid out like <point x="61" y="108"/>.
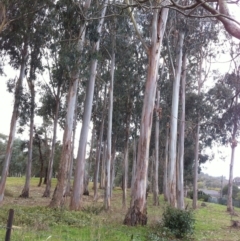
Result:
<point x="217" y="167"/>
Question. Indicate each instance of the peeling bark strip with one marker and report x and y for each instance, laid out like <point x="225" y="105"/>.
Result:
<point x="137" y="213"/>
<point x="63" y="172"/>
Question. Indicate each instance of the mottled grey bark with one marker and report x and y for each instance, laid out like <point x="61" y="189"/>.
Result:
<point x="109" y="131"/>
<point x="137" y="213"/>
<point x="174" y="123"/>
<point x="180" y="181"/>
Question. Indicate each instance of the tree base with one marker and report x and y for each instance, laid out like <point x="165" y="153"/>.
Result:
<point x="135" y="217"/>
<point x="24" y="194"/>
<point x="86" y="193"/>
<point x="235" y="224"/>
<point x="46" y="193"/>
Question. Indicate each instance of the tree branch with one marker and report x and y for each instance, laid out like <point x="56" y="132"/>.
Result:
<point x="136" y="28"/>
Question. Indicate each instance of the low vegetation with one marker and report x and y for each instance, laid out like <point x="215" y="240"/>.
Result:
<point x="33" y="220"/>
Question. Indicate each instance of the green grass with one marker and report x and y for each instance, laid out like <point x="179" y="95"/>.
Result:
<point x="34" y="221"/>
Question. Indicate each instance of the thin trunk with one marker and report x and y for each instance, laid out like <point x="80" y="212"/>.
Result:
<point x="174" y="124"/>
<point x="15" y="114"/>
<point x="58" y="199"/>
<point x="113" y="164"/>
<point x="134" y="164"/>
<point x="137" y="213"/>
<point x="103" y="167"/>
<point x="196" y="154"/>
<point x="109" y="131"/>
<point x="196" y="164"/>
<point x="180" y="184"/>
<point x="166" y="167"/>
<point x="51" y="158"/>
<point x="41" y="163"/>
<point x="25" y="191"/>
<point x="68" y="190"/>
<point x="125" y="162"/>
<point x="78" y="184"/>
<point x="98" y="158"/>
<point x="155" y="186"/>
<point x="125" y="175"/>
<point x="99" y="150"/>
<point x="230" y="182"/>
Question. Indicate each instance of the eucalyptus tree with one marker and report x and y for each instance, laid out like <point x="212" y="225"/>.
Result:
<point x="75" y="28"/>
<point x="78" y="185"/>
<point x="16" y="41"/>
<point x="37" y="41"/>
<point x="137" y="213"/>
<point x="225" y="96"/>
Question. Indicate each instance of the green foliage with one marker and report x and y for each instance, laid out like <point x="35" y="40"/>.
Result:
<point x="235" y="191"/>
<point x="179" y="222"/>
<point x="41" y="218"/>
<point x="93" y="209"/>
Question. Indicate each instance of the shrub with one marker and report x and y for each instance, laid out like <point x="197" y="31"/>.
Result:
<point x="179" y="222"/>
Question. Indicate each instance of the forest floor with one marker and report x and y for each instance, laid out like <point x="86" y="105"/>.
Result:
<point x="34" y="221"/>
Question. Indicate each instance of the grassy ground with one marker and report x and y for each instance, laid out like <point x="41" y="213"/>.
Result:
<point x="34" y="221"/>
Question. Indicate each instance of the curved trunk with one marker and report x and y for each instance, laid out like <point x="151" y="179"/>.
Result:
<point x="137" y="213"/>
<point x="15" y="114"/>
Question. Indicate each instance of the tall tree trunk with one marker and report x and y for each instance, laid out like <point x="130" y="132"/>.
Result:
<point x="174" y="124"/>
<point x="15" y="114"/>
<point x="196" y="151"/>
<point x="25" y="191"/>
<point x="196" y="164"/>
<point x="125" y="162"/>
<point x="58" y="199"/>
<point x="155" y="186"/>
<point x="113" y="164"/>
<point x="180" y="184"/>
<point x="68" y="190"/>
<point x="137" y="213"/>
<point x="134" y="164"/>
<point x="109" y="131"/>
<point x="166" y="167"/>
<point x="41" y="174"/>
<point x="125" y="175"/>
<point x="103" y="167"/>
<point x="230" y="182"/>
<point x="99" y="150"/>
<point x="78" y="184"/>
<point x="51" y="158"/>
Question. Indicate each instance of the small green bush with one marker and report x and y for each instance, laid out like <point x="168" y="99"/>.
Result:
<point x="179" y="222"/>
